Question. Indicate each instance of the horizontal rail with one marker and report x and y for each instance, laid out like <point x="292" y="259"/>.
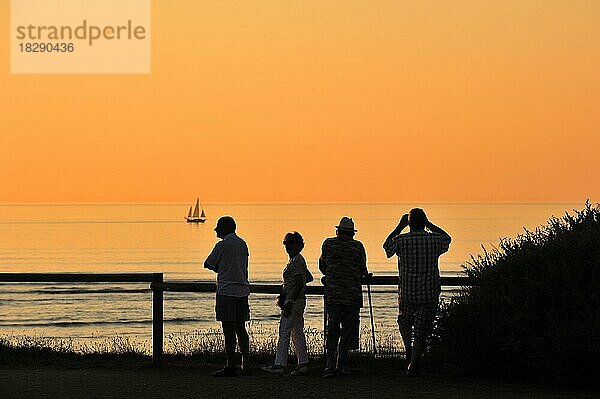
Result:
<point x="178" y="286"/>
<point x="175" y="286"/>
<point x="446" y="281"/>
<point x="80" y="277"/>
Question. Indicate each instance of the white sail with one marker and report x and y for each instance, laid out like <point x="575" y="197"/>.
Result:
<point x="194" y="216"/>
<point x="197" y="209"/>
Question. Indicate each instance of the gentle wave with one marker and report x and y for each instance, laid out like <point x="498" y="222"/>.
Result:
<point x="3" y="300"/>
<point x="102" y="322"/>
<point x="81" y="291"/>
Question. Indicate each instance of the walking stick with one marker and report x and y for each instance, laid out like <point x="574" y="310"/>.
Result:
<point x="371" y="312"/>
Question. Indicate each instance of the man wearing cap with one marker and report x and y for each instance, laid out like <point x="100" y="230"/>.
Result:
<point x="343" y="263"/>
<point x="229" y="259"/>
<point x="419" y="285"/>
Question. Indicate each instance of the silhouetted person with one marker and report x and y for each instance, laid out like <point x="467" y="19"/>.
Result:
<point x="343" y="263"/>
<point x="419" y="285"/>
<point x="292" y="302"/>
<point x="229" y="259"/>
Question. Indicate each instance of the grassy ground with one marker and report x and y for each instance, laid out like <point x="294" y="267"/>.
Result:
<point x="139" y="381"/>
<point x="35" y="373"/>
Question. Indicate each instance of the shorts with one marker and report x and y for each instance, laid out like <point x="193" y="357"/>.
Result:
<point x="232" y="308"/>
<point x="420" y="316"/>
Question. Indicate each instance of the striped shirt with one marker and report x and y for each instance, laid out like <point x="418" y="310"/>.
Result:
<point x="418" y="272"/>
<point x="343" y="262"/>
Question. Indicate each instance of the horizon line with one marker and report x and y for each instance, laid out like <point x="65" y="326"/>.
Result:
<point x="264" y="203"/>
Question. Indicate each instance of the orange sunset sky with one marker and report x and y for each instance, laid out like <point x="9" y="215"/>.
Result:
<point x="358" y="101"/>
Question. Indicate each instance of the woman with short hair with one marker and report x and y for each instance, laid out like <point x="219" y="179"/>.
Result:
<point x="292" y="302"/>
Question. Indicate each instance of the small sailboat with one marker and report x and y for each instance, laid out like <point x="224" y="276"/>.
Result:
<point x="195" y="216"/>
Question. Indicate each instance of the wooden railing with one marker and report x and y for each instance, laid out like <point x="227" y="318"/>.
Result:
<point x="158" y="287"/>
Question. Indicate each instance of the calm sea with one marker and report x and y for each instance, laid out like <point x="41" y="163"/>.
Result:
<point x="154" y="238"/>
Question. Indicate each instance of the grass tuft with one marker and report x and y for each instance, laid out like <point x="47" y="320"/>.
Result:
<point x="199" y="347"/>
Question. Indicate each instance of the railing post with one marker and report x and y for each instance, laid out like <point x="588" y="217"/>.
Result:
<point x="157" y="322"/>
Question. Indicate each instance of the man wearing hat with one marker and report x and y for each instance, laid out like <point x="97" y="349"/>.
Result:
<point x="343" y="263"/>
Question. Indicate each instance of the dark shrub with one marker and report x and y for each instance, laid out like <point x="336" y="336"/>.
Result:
<point x="535" y="308"/>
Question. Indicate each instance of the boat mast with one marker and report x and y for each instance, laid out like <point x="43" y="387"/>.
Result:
<point x="197" y="209"/>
